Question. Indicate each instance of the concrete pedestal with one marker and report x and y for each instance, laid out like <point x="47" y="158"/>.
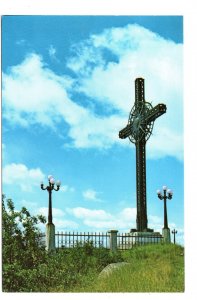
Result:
<point x="50" y="237"/>
<point x="113" y="240"/>
<point x="166" y="235"/>
<point x="147" y="238"/>
<point x="133" y="239"/>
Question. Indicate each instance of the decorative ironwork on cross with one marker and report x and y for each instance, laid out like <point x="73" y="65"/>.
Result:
<point x="139" y="130"/>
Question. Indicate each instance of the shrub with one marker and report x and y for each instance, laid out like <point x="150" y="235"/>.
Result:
<point x="28" y="268"/>
<point x="21" y="248"/>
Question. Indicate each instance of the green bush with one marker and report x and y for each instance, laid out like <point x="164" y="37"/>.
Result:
<point x="28" y="268"/>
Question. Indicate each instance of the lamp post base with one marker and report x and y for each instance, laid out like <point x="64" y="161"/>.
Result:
<point x="166" y="235"/>
<point x="50" y="237"/>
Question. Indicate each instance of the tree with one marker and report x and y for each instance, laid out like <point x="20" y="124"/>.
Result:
<point x="22" y="242"/>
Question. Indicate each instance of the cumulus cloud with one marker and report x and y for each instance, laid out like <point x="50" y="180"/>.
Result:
<point x="66" y="188"/>
<point x="123" y="221"/>
<point x="81" y="212"/>
<point x="106" y="66"/>
<point x="100" y="219"/>
<point x="56" y="212"/>
<point x="138" y="53"/>
<point x="64" y="225"/>
<point x="19" y="174"/>
<point x="59" y="219"/>
<point x="128" y="214"/>
<point x="52" y="52"/>
<point x="34" y="94"/>
<point x="91" y="195"/>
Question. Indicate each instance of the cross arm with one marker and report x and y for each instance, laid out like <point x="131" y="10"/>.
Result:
<point x="155" y="112"/>
<point x="125" y="132"/>
<point x="151" y="116"/>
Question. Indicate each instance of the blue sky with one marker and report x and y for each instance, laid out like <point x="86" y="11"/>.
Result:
<point x="67" y="90"/>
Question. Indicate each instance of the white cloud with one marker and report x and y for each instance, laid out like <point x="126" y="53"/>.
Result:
<point x="29" y="204"/>
<point x="81" y="213"/>
<point x="3" y="151"/>
<point x="59" y="219"/>
<point x="128" y="214"/>
<point x="52" y="51"/>
<point x="21" y="42"/>
<point x="139" y="53"/>
<point x="66" y="188"/>
<point x="91" y="195"/>
<point x="101" y="220"/>
<point x="31" y="88"/>
<point x="56" y="212"/>
<point x="64" y="225"/>
<point x="20" y="175"/>
<point x="103" y="225"/>
<point x="32" y="93"/>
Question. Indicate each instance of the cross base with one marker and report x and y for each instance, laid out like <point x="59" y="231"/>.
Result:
<point x="145" y="230"/>
<point x="139" y="238"/>
<point x="147" y="237"/>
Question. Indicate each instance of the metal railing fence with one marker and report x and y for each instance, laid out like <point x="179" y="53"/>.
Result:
<point x="72" y="239"/>
<point x="123" y="241"/>
<point x="129" y="240"/>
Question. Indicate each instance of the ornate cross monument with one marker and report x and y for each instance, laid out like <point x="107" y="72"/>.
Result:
<point x="138" y="130"/>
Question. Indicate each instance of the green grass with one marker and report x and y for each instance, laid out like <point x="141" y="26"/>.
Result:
<point x="152" y="268"/>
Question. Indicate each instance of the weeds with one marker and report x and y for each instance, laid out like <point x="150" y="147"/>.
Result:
<point x="151" y="268"/>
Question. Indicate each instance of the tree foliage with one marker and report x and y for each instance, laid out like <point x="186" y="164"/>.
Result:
<point x="22" y="246"/>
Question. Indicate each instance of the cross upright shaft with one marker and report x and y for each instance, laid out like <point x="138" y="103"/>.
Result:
<point x="138" y="130"/>
<point x="141" y="220"/>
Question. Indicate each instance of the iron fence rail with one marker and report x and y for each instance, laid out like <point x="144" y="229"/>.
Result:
<point x="124" y="240"/>
<point x="72" y="239"/>
<point x="127" y="240"/>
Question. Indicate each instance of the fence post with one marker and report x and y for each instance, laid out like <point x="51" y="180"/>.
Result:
<point x="113" y="240"/>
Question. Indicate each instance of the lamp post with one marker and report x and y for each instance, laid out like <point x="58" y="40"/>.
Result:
<point x="167" y="194"/>
<point x="50" y="227"/>
<point x="174" y="232"/>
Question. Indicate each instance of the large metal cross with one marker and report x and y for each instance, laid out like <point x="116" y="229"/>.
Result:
<point x="138" y="130"/>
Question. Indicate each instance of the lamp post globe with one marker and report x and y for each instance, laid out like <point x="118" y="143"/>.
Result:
<point x="158" y="192"/>
<point x="52" y="180"/>
<point x="58" y="182"/>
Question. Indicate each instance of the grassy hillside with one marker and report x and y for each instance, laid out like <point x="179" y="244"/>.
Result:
<point x="27" y="267"/>
<point x="151" y="268"/>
